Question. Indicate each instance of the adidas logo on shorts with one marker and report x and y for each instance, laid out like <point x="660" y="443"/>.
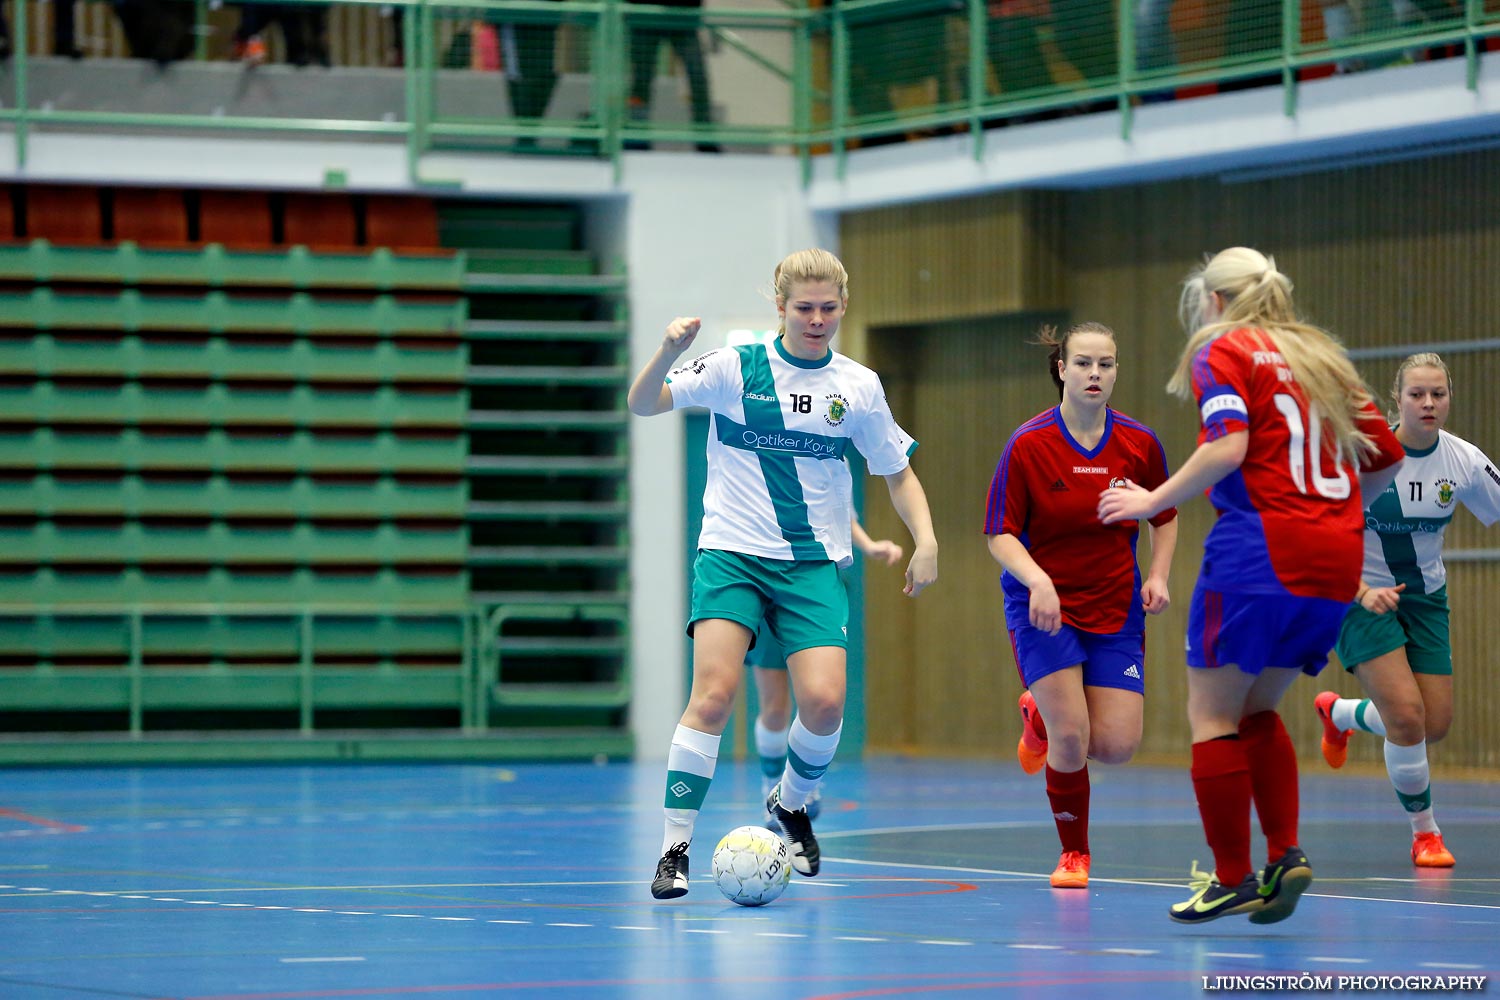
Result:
<point x="1133" y="671"/>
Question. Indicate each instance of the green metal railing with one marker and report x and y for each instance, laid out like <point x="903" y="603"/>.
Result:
<point x="821" y="79"/>
<point x="129" y="658"/>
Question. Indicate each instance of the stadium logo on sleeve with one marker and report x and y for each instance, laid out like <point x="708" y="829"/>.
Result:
<point x="838" y="409"/>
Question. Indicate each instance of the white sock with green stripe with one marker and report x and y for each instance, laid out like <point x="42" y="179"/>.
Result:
<point x="690" y="770"/>
<point x="1357" y="713"/>
<point x="808" y="755"/>
<point x="1409" y="773"/>
<point x="770" y="745"/>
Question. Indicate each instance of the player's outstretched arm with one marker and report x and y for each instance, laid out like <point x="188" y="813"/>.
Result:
<point x="1211" y="462"/>
<point x="910" y="501"/>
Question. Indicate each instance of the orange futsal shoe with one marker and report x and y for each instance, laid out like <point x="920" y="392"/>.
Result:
<point x="1072" y="871"/>
<point x="1031" y="751"/>
<point x="1335" y="740"/>
<point x="1427" y="851"/>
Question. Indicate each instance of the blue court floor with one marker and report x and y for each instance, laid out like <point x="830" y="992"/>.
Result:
<point x="461" y="881"/>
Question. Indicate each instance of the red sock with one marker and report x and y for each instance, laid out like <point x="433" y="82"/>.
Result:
<point x="1068" y="792"/>
<point x="1273" y="779"/>
<point x="1221" y="780"/>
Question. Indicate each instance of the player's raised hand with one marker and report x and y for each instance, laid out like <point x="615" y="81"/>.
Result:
<point x="681" y="333"/>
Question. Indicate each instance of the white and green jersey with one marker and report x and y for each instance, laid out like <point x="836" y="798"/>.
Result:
<point x="778" y="486"/>
<point x="1404" y="526"/>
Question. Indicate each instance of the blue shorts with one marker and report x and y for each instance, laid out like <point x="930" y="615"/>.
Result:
<point x="1256" y="631"/>
<point x="1112" y="661"/>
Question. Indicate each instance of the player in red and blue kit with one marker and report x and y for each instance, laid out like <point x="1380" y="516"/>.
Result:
<point x="1286" y="421"/>
<point x="1075" y="605"/>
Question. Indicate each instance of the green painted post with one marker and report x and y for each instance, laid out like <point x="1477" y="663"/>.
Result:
<point x="466" y="684"/>
<point x="802" y="87"/>
<point x="414" y="76"/>
<point x="611" y="68"/>
<point x="200" y="30"/>
<point x="840" y="85"/>
<point x="979" y="26"/>
<point x="305" y="675"/>
<point x="136" y="663"/>
<point x="1126" y="18"/>
<point x="1291" y="42"/>
<point x="20" y="57"/>
<point x="1473" y="11"/>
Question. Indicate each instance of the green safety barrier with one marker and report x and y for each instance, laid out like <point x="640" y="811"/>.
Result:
<point x="834" y="68"/>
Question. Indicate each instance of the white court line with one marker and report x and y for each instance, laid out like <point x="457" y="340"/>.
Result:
<point x="1339" y="959"/>
<point x="328" y="958"/>
<point x="1130" y="951"/>
<point x="1036" y="947"/>
<point x="859" y="939"/>
<point x="1449" y="965"/>
<point x="954" y="944"/>
<point x="224" y="890"/>
<point x="1232" y="954"/>
<point x="1093" y="879"/>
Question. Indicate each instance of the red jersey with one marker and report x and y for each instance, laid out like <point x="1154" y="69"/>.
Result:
<point x="1046" y="493"/>
<point x="1290" y="519"/>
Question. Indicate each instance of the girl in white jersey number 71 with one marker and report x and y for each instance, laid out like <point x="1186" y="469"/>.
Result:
<point x="776" y="514"/>
<point x="1395" y="635"/>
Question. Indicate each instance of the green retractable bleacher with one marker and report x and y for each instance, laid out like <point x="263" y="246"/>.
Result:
<point x="547" y="466"/>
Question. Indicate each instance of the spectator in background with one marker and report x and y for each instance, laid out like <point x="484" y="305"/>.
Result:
<point x="528" y="49"/>
<point x="304" y="29"/>
<point x="1015" y="47"/>
<point x="64" y="42"/>
<point x="1154" y="49"/>
<point x="645" y="42"/>
<point x="159" y="30"/>
<point x="902" y="52"/>
<point x="1086" y="36"/>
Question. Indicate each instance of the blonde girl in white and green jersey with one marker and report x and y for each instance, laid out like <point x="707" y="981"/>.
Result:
<point x="1395" y="636"/>
<point x="776" y="516"/>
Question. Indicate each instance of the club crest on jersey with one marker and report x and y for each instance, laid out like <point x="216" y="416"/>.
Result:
<point x="838" y="409"/>
<point x="1445" y="488"/>
<point x="1117" y="482"/>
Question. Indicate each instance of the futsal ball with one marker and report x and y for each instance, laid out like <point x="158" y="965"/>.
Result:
<point x="751" y="866"/>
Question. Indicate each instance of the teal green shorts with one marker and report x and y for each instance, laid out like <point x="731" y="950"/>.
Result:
<point x="1420" y="623"/>
<point x="802" y="602"/>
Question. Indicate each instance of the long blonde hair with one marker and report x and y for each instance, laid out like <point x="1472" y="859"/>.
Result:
<point x="1257" y="295"/>
<point x="814" y="264"/>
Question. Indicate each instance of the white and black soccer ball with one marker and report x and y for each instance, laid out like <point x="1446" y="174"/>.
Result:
<point x="751" y="866"/>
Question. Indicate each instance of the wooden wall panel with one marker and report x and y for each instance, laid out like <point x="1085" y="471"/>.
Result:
<point x="1388" y="257"/>
<point x="965" y="385"/>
